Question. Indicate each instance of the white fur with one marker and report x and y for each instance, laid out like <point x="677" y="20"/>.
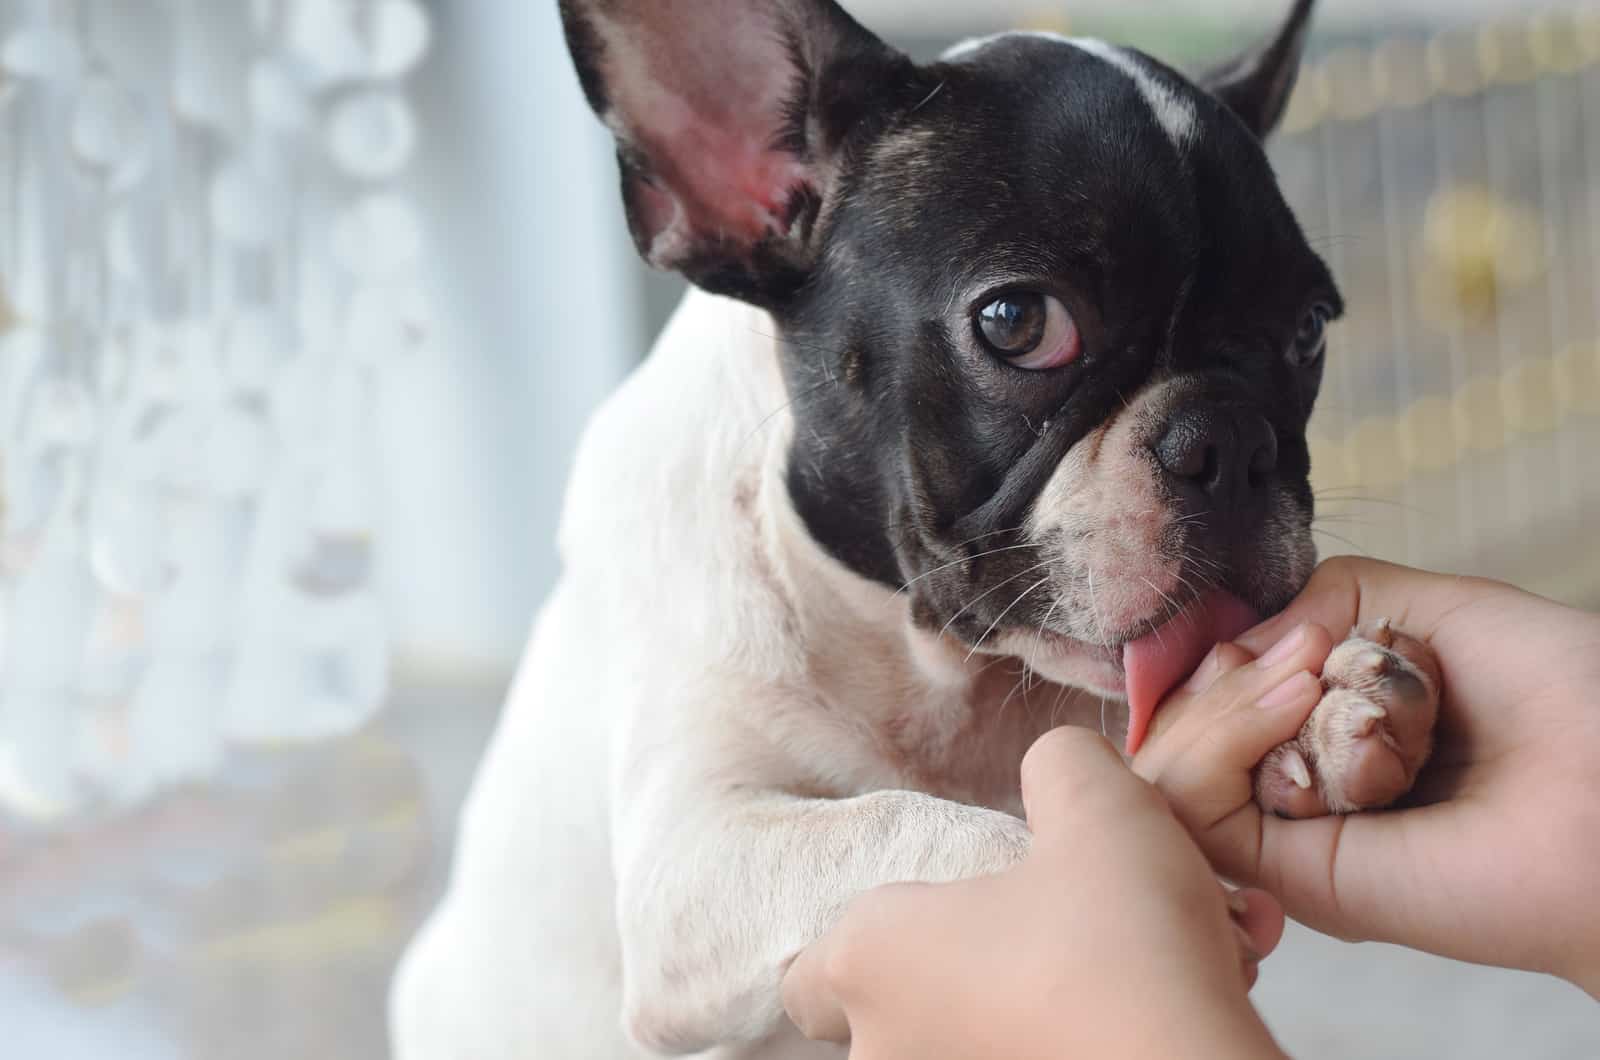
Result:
<point x="961" y="49"/>
<point x="1175" y="113"/>
<point x="718" y="737"/>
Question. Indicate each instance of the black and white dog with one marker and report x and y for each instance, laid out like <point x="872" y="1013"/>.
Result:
<point x="989" y="415"/>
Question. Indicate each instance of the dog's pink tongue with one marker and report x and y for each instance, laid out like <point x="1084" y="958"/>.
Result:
<point x="1156" y="662"/>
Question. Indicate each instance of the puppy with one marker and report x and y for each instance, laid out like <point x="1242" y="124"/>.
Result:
<point x="988" y="415"/>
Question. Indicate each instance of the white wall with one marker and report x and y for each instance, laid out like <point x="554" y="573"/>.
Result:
<point x="538" y="285"/>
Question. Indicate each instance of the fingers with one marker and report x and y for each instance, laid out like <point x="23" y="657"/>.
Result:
<point x="1245" y="712"/>
<point x="1260" y="916"/>
<point x="1240" y="739"/>
<point x="1223" y="659"/>
<point x="1258" y="925"/>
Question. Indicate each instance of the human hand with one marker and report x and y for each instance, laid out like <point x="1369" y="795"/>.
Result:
<point x="1210" y="734"/>
<point x="1111" y="938"/>
<point x="1496" y="862"/>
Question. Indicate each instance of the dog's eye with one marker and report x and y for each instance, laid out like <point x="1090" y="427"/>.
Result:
<point x="1030" y="330"/>
<point x="1312" y="338"/>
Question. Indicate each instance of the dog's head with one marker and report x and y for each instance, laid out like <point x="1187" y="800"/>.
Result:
<point x="1051" y="332"/>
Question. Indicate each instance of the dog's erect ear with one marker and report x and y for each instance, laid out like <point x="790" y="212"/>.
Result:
<point x="731" y="117"/>
<point x="1257" y="85"/>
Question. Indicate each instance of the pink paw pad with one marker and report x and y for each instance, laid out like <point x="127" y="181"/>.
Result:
<point x="1367" y="739"/>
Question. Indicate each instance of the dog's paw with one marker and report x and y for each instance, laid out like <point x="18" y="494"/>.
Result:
<point x="1363" y="746"/>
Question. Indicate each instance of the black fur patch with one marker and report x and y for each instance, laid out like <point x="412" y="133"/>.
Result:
<point x="587" y="51"/>
<point x="1030" y="164"/>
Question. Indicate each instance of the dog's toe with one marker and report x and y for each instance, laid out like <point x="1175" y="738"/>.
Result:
<point x="1285" y="785"/>
<point x="1366" y="741"/>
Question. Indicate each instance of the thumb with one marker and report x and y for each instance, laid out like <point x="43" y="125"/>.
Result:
<point x="1362" y="877"/>
<point x="1347" y="591"/>
<point x="1072" y="774"/>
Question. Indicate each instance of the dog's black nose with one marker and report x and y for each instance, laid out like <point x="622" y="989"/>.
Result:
<point x="1218" y="459"/>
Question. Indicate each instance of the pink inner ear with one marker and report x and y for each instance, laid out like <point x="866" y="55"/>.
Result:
<point x="712" y="187"/>
<point x="702" y="95"/>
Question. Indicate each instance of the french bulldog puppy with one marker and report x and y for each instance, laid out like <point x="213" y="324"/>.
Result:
<point x="988" y="415"/>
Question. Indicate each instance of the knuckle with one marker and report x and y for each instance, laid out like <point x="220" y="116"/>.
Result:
<point x="1231" y="656"/>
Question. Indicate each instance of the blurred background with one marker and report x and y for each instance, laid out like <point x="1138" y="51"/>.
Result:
<point x="303" y="304"/>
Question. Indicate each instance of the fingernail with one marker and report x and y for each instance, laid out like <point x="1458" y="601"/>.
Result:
<point x="1285" y="648"/>
<point x="1297" y="689"/>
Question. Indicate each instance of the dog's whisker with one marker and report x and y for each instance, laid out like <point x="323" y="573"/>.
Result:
<point x="993" y="588"/>
<point x="1166" y="598"/>
<point x="1193" y="590"/>
<point x="781" y="409"/>
<point x="1173" y="610"/>
<point x="1038" y="639"/>
<point x="929" y="97"/>
<point x="1387" y="502"/>
<point x="990" y="533"/>
<point x="1192" y="517"/>
<point x="1094" y="609"/>
<point x="1021" y="682"/>
<point x="1187" y="586"/>
<point x="1198" y="565"/>
<point x="791" y="342"/>
<point x="1001" y="616"/>
<point x="1206" y="565"/>
<point x="992" y="663"/>
<point x="1342" y="540"/>
<point x="959" y="562"/>
<point x="1055" y="705"/>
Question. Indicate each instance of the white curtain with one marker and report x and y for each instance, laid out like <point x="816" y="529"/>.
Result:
<point x="303" y="304"/>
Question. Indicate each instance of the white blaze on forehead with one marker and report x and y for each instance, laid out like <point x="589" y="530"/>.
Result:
<point x="1175" y="114"/>
<point x="961" y="49"/>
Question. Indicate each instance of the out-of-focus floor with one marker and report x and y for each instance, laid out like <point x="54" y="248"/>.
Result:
<point x="1329" y="1000"/>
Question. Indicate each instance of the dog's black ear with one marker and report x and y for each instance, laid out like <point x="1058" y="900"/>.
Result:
<point x="1257" y="85"/>
<point x="731" y="118"/>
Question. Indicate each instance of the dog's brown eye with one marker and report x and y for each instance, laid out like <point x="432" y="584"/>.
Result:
<point x="1014" y="324"/>
<point x="1312" y="338"/>
<point x="1029" y="329"/>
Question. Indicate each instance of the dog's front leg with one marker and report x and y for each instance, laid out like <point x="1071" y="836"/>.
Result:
<point x="715" y="903"/>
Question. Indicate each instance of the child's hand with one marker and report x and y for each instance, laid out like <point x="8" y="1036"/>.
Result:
<point x="1211" y="732"/>
<point x="1111" y="938"/>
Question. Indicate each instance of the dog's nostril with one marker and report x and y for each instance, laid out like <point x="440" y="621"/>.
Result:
<point x="1218" y="456"/>
<point x="1189" y="450"/>
<point x="1210" y="467"/>
<point x="1263" y="455"/>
